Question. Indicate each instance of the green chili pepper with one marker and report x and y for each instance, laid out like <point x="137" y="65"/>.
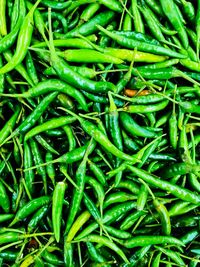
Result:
<point x="33" y="117"/>
<point x="78" y="194"/>
<point x="7" y="41"/>
<point x="189" y="236"/>
<point x="138" y="255"/>
<point x="55" y="5"/>
<point x="140" y="241"/>
<point x="138" y="36"/>
<point x="170" y="11"/>
<point x="45" y="144"/>
<point x="89" y="11"/>
<point x="109" y="216"/>
<point x="3" y="18"/>
<point x="106" y="242"/>
<point x="29" y="176"/>
<point x="8" y="127"/>
<point x="23" y="41"/>
<point x="38" y="160"/>
<point x="155" y="6"/>
<point x="179" y="192"/>
<point x="31" y="68"/>
<point x="50" y="168"/>
<point x="131" y="219"/>
<point x="37" y="217"/>
<point x="54" y="85"/>
<point x="141" y="46"/>
<point x="88" y="56"/>
<point x="57" y="205"/>
<point x="152" y="24"/>
<point x="142" y="198"/>
<point x="179" y="168"/>
<point x="138" y="23"/>
<point x="94" y="254"/>
<point x="29" y="208"/>
<point x="51" y="124"/>
<point x="90" y="27"/>
<point x="4" y="199"/>
<point x="67" y="74"/>
<point x="99" y="136"/>
<point x="117" y="198"/>
<point x="130" y="125"/>
<point x="127" y="23"/>
<point x="51" y="258"/>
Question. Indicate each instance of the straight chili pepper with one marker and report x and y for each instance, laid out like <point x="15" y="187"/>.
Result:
<point x="57" y="206"/>
<point x="78" y="194"/>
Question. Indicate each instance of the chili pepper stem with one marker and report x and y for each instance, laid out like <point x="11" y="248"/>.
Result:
<point x="10" y="245"/>
<point x="63" y="170"/>
<point x="178" y="73"/>
<point x="38" y="234"/>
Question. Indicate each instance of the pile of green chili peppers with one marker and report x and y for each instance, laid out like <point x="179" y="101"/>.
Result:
<point x="99" y="133"/>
